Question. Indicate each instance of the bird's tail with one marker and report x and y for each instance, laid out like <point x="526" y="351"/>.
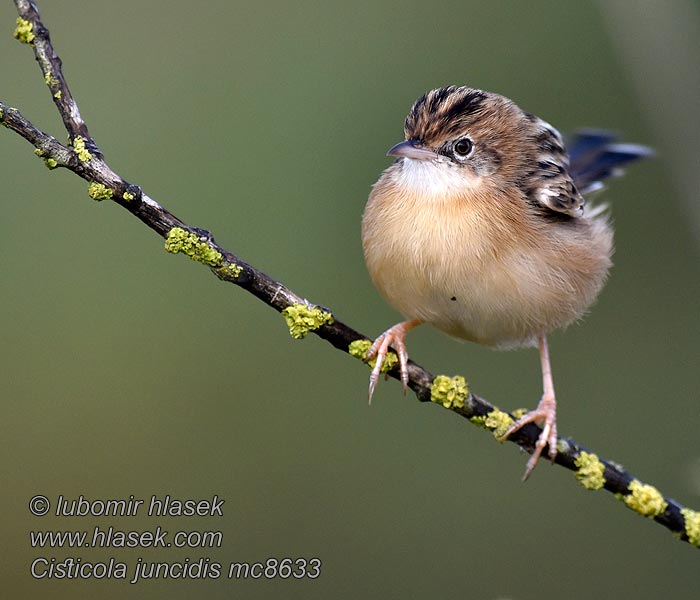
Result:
<point x="594" y="156"/>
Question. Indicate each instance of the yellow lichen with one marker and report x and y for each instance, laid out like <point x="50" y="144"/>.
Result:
<point x="127" y="196"/>
<point x="498" y="422"/>
<point x="99" y="192"/>
<point x="49" y="161"/>
<point x="24" y="31"/>
<point x="451" y="392"/>
<point x="563" y="447"/>
<point x="591" y="472"/>
<point x="359" y="349"/>
<point x="80" y="150"/>
<point x="49" y="79"/>
<point x="645" y="499"/>
<point x="479" y="421"/>
<point x="179" y="240"/>
<point x="57" y="95"/>
<point x="302" y="319"/>
<point x="231" y="270"/>
<point x="692" y="525"/>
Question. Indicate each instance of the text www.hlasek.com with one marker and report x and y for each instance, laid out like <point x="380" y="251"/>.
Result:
<point x="115" y="538"/>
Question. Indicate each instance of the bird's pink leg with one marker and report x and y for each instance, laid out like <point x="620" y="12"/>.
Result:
<point x="393" y="336"/>
<point x="545" y="414"/>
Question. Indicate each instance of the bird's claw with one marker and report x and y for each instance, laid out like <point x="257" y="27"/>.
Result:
<point x="394" y="336"/>
<point x="546" y="413"/>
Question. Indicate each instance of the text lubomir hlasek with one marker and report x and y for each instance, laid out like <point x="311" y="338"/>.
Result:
<point x="164" y="506"/>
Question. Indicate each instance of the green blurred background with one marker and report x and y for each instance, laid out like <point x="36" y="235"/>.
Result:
<point x="127" y="370"/>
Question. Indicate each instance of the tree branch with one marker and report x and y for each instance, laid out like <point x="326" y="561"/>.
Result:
<point x="83" y="157"/>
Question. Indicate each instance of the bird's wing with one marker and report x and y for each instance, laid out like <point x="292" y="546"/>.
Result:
<point x="560" y="178"/>
<point x="550" y="185"/>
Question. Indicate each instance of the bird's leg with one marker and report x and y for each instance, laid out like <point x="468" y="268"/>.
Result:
<point x="393" y="336"/>
<point x="545" y="413"/>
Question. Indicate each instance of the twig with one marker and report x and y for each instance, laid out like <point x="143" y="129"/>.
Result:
<point x="83" y="157"/>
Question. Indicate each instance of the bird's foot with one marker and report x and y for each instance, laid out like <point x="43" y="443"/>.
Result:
<point x="544" y="415"/>
<point x="394" y="336"/>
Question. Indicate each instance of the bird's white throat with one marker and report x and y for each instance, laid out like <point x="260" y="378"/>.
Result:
<point x="437" y="179"/>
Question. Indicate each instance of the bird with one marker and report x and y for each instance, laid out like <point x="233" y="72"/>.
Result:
<point x="480" y="229"/>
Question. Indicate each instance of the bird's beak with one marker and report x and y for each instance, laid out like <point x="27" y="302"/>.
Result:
<point x="411" y="149"/>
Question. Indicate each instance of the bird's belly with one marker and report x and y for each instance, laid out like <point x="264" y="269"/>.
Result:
<point x="483" y="303"/>
<point x="459" y="280"/>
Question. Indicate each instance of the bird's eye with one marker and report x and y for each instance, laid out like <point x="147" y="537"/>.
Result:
<point x="463" y="147"/>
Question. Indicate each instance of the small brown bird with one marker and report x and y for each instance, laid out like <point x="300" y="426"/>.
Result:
<point x="479" y="228"/>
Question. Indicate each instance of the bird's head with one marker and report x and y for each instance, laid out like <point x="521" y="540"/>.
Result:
<point x="467" y="135"/>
